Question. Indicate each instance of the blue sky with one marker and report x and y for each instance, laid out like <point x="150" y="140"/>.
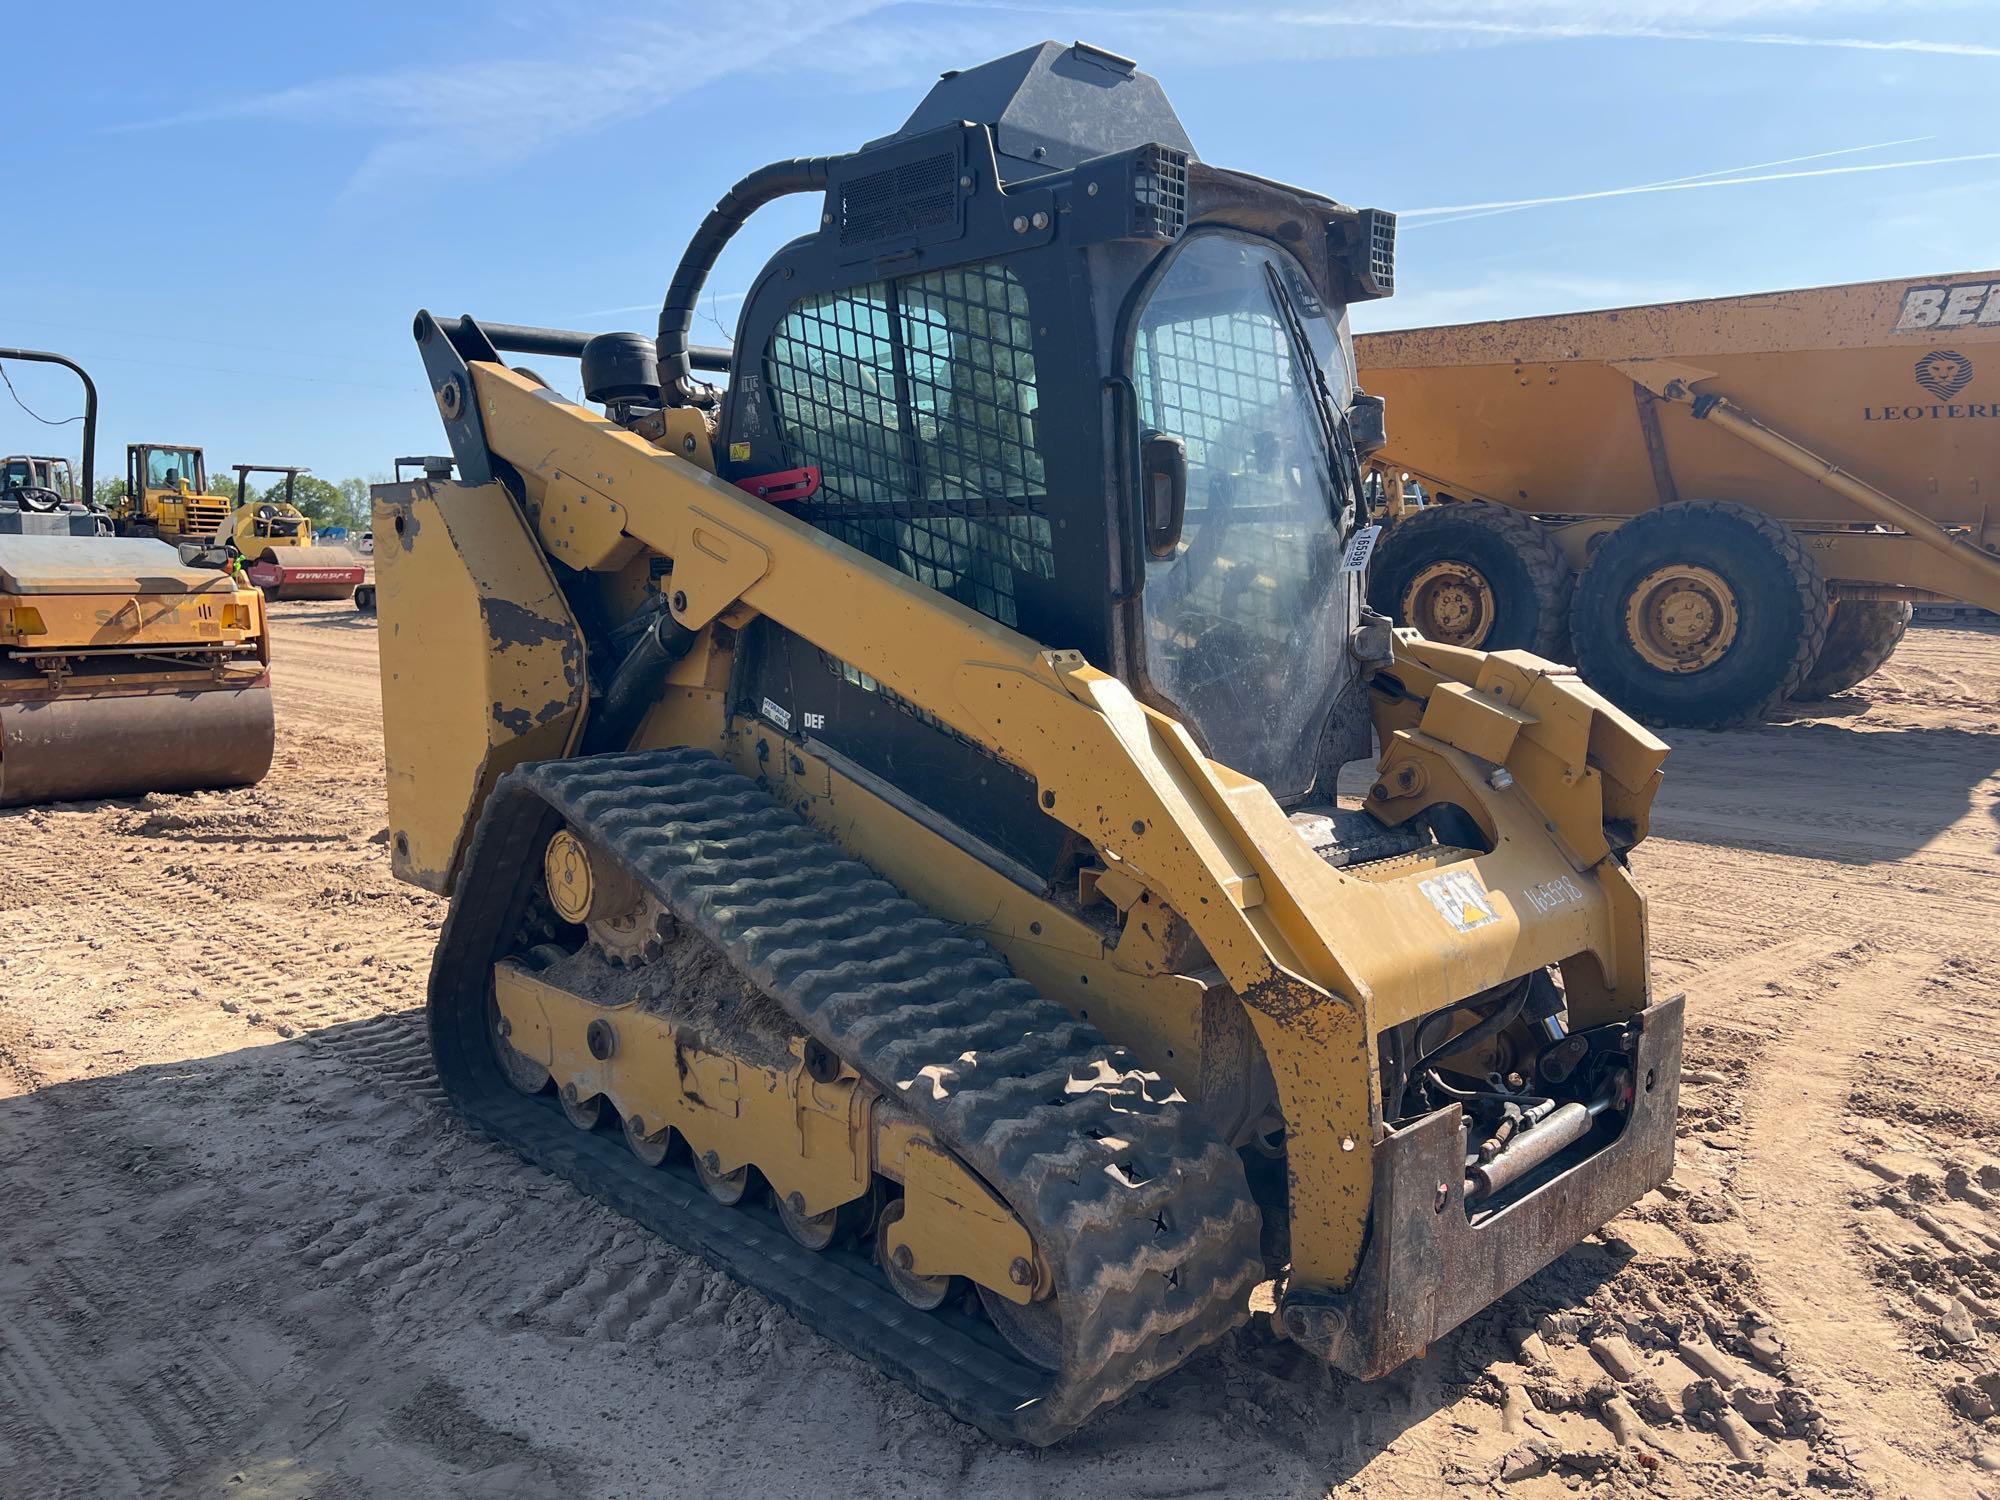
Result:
<point x="230" y="213"/>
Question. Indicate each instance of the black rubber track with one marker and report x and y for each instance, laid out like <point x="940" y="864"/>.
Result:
<point x="1781" y="598"/>
<point x="1142" y="1212"/>
<point x="1530" y="577"/>
<point x="1861" y="636"/>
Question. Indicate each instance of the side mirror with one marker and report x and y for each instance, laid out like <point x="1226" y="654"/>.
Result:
<point x="1368" y="421"/>
<point x="1163" y="481"/>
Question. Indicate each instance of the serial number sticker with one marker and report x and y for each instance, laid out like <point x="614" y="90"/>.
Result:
<point x="1460" y="899"/>
<point x="782" y="717"/>
<point x="1550" y="894"/>
<point x="1360" y="549"/>
<point x="739" y="453"/>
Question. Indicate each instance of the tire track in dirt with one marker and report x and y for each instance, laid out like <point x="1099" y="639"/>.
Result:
<point x="1791" y="1187"/>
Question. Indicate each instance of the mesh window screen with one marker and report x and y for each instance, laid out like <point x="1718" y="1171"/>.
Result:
<point x="1215" y="381"/>
<point x="916" y="400"/>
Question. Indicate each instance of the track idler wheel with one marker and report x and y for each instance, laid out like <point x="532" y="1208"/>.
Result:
<point x="1034" y="1332"/>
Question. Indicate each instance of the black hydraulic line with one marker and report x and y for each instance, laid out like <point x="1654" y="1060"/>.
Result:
<point x="1492" y="1024"/>
<point x="768" y="183"/>
<point x="635" y="686"/>
<point x="523" y="338"/>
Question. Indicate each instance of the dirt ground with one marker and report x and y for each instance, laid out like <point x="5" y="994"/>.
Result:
<point x="245" y="1250"/>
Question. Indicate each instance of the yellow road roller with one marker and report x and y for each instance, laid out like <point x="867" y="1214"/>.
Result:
<point x="122" y="669"/>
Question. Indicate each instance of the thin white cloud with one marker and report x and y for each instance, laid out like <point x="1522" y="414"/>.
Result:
<point x="581" y="70"/>
<point x="1230" y="35"/>
<point x="1690" y="186"/>
<point x="708" y="299"/>
<point x="592" y="68"/>
<point x="1758" y="166"/>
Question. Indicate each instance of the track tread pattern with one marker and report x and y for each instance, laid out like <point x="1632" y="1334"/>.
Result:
<point x="1142" y="1212"/>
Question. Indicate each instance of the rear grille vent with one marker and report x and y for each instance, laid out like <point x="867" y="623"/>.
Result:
<point x="1378" y="228"/>
<point x="900" y="200"/>
<point x="1160" y="189"/>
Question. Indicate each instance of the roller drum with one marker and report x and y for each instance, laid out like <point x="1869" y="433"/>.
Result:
<point x="70" y="748"/>
<point x="310" y="572"/>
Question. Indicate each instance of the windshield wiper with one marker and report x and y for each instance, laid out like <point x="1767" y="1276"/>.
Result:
<point x="1341" y="453"/>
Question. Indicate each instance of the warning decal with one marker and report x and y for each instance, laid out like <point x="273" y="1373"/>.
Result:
<point x="1460" y="899"/>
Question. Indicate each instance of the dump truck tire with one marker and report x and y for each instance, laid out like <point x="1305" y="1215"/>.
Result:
<point x="1699" y="615"/>
<point x="1471" y="573"/>
<point x="1861" y="636"/>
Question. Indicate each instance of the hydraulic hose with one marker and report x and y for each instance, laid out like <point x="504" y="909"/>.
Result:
<point x="765" y="185"/>
<point x="1491" y="1024"/>
<point x="635" y="686"/>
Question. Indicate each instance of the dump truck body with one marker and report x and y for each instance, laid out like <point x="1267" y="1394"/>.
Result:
<point x="1864" y="419"/>
<point x="888" y="807"/>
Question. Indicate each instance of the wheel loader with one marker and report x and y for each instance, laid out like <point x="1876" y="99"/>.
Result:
<point x="275" y="539"/>
<point x="166" y="496"/>
<point x="889" y="803"/>
<point x="122" y="669"/>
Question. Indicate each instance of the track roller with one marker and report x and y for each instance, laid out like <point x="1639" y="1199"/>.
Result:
<point x="925" y="1293"/>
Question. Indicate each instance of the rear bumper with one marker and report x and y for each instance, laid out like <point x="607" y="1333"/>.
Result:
<point x="1427" y="1268"/>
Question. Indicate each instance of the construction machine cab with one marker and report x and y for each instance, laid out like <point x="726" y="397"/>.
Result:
<point x="166" y="494"/>
<point x="274" y="518"/>
<point x="37" y="481"/>
<point x="1037" y="347"/>
<point x="39" y="495"/>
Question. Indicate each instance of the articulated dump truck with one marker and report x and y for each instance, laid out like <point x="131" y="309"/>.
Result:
<point x="888" y="804"/>
<point x="122" y="669"/>
<point x="1710" y="506"/>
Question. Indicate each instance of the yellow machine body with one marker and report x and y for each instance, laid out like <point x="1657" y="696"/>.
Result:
<point x="482" y="671"/>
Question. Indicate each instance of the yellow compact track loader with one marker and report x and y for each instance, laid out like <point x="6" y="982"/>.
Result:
<point x="888" y="805"/>
<point x="122" y="669"/>
<point x="279" y="550"/>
